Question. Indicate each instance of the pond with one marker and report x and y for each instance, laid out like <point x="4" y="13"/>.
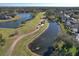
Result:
<point x="14" y="24"/>
<point x="42" y="45"/>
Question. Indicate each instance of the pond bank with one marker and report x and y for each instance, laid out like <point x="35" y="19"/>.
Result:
<point x="41" y="44"/>
<point x="29" y="39"/>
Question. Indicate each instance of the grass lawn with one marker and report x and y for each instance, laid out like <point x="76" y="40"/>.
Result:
<point x="5" y="33"/>
<point x="30" y="25"/>
<point x="62" y="27"/>
<point x="23" y="44"/>
<point x="27" y="27"/>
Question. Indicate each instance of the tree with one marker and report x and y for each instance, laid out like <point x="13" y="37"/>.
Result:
<point x="2" y="41"/>
<point x="64" y="45"/>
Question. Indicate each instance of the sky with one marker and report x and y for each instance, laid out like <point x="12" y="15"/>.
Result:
<point x="39" y="4"/>
<point x="67" y="3"/>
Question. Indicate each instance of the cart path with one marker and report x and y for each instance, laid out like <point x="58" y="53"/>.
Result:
<point x="10" y="50"/>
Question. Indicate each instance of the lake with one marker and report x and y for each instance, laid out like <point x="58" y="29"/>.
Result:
<point x="14" y="24"/>
<point x="42" y="45"/>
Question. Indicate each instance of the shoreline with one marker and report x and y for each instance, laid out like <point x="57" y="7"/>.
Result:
<point x="36" y="34"/>
<point x="12" y="19"/>
<point x="35" y="38"/>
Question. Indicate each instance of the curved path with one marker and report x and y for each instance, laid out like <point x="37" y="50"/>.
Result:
<point x="10" y="50"/>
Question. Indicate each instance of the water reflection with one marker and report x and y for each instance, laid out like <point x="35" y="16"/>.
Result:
<point x="14" y="24"/>
<point x="42" y="45"/>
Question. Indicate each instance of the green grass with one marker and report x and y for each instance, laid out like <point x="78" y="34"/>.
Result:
<point x="23" y="44"/>
<point x="30" y="25"/>
<point x="62" y="27"/>
<point x="73" y="50"/>
<point x="61" y="24"/>
<point x="5" y="33"/>
<point x="65" y="29"/>
<point x="27" y="27"/>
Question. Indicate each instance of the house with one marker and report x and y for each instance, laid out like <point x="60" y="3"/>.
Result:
<point x="68" y="23"/>
<point x="74" y="30"/>
<point x="43" y="17"/>
<point x="72" y="23"/>
<point x="75" y="27"/>
<point x="4" y="17"/>
<point x="67" y="15"/>
<point x="63" y="18"/>
<point x="42" y="21"/>
<point x="74" y="20"/>
<point x="77" y="37"/>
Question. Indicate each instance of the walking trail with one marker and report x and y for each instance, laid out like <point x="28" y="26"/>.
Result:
<point x="10" y="50"/>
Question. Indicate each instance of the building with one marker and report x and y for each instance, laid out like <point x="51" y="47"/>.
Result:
<point x="77" y="37"/>
<point x="74" y="30"/>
